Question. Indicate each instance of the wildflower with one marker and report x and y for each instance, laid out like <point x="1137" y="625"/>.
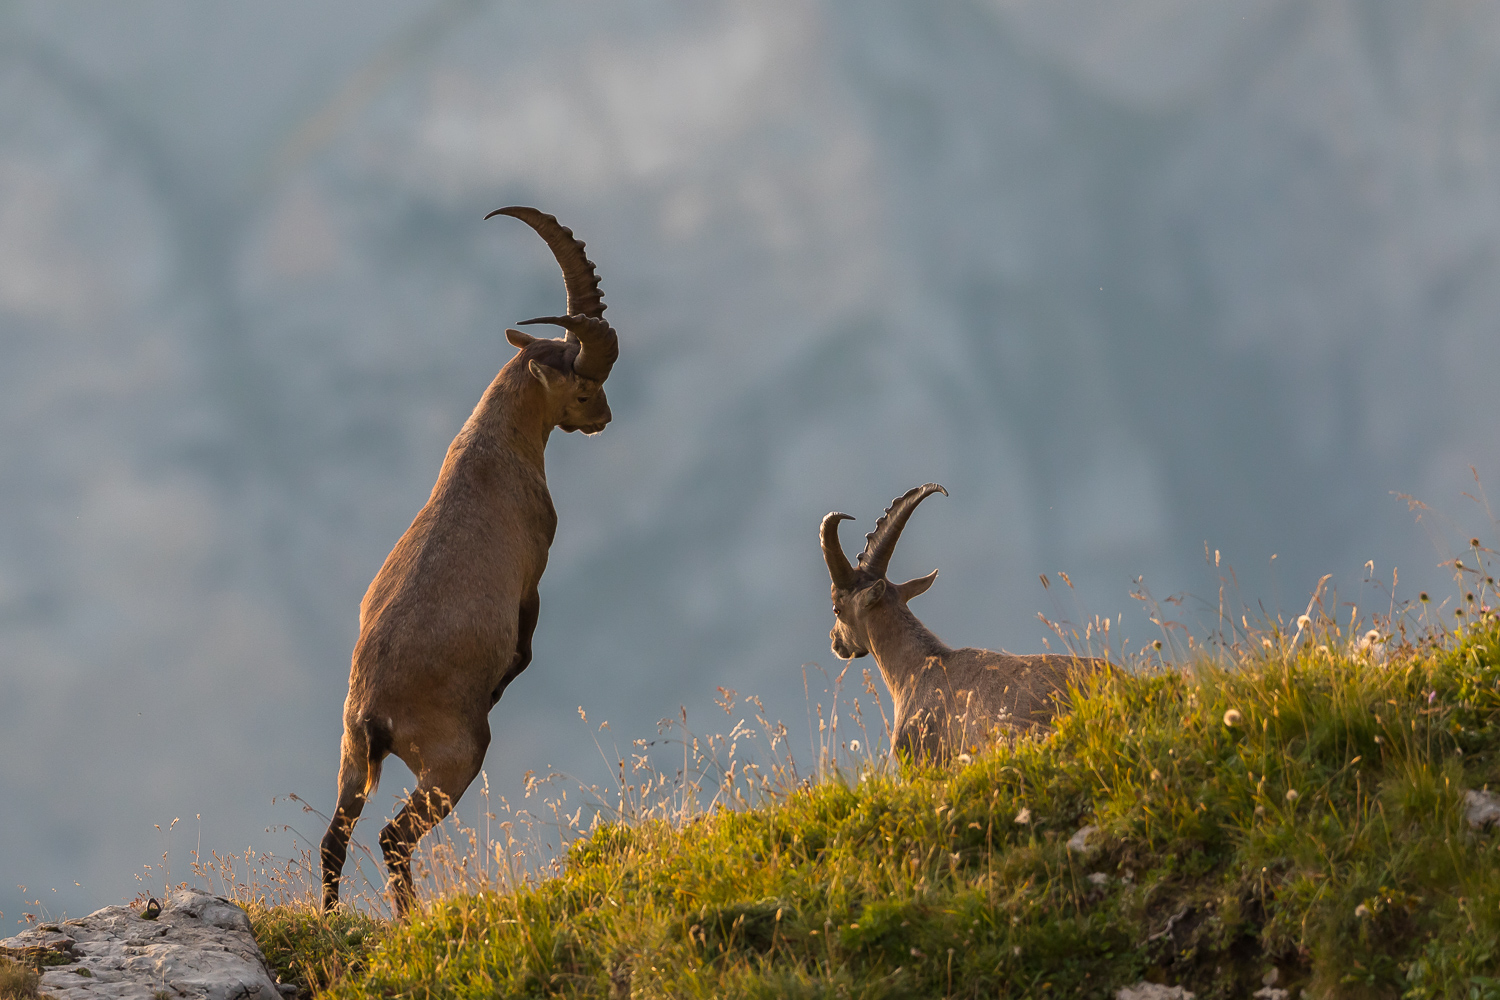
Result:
<point x="1024" y="816"/>
<point x="1423" y="597"/>
<point x="1260" y="810"/>
<point x="1474" y="543"/>
<point x="964" y="758"/>
<point x="1303" y="621"/>
<point x="1361" y="911"/>
<point x="1232" y="717"/>
<point x="1155" y="774"/>
<point x="854" y="745"/>
<point x="1156" y="645"/>
<point x="1291" y="795"/>
<point x="1431" y="697"/>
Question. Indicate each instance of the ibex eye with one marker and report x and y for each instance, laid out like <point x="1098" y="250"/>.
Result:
<point x="583" y="399"/>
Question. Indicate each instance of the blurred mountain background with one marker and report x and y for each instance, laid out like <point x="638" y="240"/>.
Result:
<point x="1134" y="281"/>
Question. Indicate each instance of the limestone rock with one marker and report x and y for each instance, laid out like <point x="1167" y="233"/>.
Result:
<point x="200" y="947"/>
<point x="1152" y="991"/>
<point x="1481" y="809"/>
<point x="1079" y="842"/>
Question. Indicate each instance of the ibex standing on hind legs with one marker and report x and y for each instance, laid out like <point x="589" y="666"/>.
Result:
<point x="447" y="622"/>
<point x="945" y="699"/>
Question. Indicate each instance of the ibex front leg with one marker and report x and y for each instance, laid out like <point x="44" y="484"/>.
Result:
<point x="446" y="771"/>
<point x="531" y="609"/>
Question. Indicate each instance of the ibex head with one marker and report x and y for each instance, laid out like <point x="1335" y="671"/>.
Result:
<point x="572" y="369"/>
<point x="860" y="589"/>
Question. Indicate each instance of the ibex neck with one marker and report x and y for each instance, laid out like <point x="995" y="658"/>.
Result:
<point x="901" y="645"/>
<point x="513" y="415"/>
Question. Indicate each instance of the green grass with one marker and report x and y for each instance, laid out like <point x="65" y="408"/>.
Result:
<point x="1321" y="835"/>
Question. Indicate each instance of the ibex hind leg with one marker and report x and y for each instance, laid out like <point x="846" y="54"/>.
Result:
<point x="354" y="772"/>
<point x="447" y="770"/>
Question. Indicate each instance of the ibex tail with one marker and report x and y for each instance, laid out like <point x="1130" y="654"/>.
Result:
<point x="378" y="740"/>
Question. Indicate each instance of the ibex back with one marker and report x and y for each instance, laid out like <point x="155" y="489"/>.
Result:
<point x="448" y="620"/>
<point x="945" y="699"/>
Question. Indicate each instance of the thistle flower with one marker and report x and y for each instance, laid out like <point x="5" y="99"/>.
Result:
<point x="1232" y="718"/>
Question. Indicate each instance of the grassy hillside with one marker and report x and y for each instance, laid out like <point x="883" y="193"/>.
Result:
<point x="1293" y="805"/>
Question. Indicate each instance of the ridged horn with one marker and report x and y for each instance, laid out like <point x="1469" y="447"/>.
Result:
<point x="839" y="569"/>
<point x="598" y="345"/>
<point x="880" y="543"/>
<point x="584" y="297"/>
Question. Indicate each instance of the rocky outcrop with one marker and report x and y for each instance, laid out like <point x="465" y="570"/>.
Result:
<point x="199" y="946"/>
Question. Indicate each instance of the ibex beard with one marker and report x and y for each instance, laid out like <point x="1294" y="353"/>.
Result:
<point x="447" y="623"/>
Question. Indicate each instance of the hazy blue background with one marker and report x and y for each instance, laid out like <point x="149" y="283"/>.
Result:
<point x="1125" y="277"/>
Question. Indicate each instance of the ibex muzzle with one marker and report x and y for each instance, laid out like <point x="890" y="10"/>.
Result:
<point x="945" y="699"/>
<point x="447" y="622"/>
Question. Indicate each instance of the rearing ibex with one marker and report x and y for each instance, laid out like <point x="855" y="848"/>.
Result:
<point x="447" y="622"/>
<point x="945" y="699"/>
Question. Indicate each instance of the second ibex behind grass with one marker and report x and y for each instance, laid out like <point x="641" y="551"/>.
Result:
<point x="447" y="622"/>
<point x="945" y="700"/>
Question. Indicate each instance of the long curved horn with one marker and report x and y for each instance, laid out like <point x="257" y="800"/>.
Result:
<point x="598" y="345"/>
<point x="839" y="569"/>
<point x="584" y="297"/>
<point x="880" y="543"/>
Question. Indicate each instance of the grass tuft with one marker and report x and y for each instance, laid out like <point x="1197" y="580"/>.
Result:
<point x="18" y="981"/>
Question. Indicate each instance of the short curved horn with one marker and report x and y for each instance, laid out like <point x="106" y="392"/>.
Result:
<point x="839" y="569"/>
<point x="598" y="345"/>
<point x="880" y="543"/>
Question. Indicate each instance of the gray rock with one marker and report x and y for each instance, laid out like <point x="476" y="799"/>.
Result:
<point x="200" y="947"/>
<point x="1079" y="842"/>
<point x="1481" y="809"/>
<point x="1153" y="991"/>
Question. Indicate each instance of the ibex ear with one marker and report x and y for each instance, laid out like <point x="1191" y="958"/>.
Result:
<point x="519" y="339"/>
<point x="911" y="588"/>
<point x="548" y="376"/>
<point x="871" y="595"/>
